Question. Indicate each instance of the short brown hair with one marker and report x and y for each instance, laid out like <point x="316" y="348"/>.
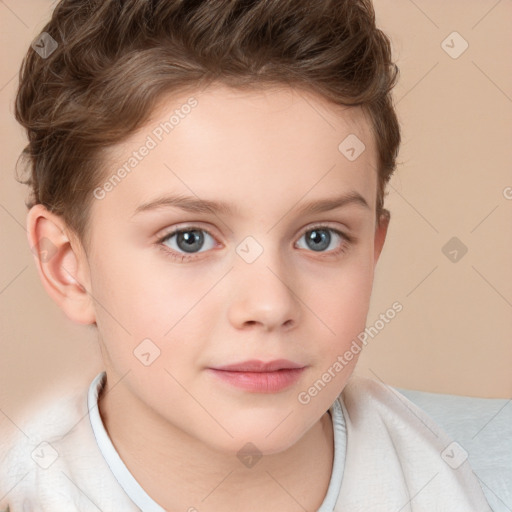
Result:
<point x="116" y="59"/>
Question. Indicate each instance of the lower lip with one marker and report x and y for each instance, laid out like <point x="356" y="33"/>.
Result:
<point x="261" y="382"/>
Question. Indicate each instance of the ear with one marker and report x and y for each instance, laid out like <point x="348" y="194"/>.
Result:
<point x="380" y="234"/>
<point x="61" y="263"/>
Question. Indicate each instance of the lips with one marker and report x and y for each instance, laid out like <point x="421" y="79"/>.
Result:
<point x="258" y="376"/>
<point x="255" y="365"/>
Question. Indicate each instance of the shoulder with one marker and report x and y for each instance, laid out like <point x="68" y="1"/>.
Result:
<point x="50" y="458"/>
<point x="366" y="398"/>
<point x="483" y="426"/>
<point x="372" y="406"/>
<point x="390" y="440"/>
<point x="28" y="446"/>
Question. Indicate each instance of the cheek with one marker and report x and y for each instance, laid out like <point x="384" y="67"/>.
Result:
<point x="134" y="291"/>
<point x="138" y="301"/>
<point x="342" y="298"/>
<point x="341" y="306"/>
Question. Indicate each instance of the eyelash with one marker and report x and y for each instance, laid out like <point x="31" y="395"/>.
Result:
<point x="346" y="242"/>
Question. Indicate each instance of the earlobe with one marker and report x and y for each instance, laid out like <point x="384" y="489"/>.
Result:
<point x="61" y="264"/>
<point x="380" y="234"/>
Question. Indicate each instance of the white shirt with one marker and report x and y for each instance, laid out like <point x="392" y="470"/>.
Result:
<point x="389" y="456"/>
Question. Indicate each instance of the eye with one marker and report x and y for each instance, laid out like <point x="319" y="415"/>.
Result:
<point x="320" y="238"/>
<point x="186" y="242"/>
<point x="183" y="244"/>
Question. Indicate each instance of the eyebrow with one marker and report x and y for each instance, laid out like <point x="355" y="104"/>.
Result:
<point x="196" y="205"/>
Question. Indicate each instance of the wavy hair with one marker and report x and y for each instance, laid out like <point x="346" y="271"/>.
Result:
<point x="115" y="59"/>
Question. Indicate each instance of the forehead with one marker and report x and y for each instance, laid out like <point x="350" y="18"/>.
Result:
<point x="256" y="145"/>
<point x="284" y="112"/>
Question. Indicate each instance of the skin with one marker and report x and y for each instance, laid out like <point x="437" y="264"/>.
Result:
<point x="267" y="152"/>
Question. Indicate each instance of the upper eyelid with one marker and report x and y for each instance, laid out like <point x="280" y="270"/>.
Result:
<point x="185" y="227"/>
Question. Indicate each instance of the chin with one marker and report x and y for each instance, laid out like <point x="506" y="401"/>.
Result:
<point x="265" y="438"/>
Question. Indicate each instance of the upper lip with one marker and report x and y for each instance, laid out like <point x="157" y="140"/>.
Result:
<point x="255" y="365"/>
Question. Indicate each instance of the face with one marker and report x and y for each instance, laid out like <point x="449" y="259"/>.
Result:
<point x="185" y="288"/>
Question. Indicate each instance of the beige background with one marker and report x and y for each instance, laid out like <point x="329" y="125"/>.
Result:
<point x="454" y="333"/>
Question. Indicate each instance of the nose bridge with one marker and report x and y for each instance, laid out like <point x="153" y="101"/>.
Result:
<point x="263" y="292"/>
<point x="261" y="257"/>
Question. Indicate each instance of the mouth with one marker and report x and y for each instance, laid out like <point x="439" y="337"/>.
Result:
<point x="260" y="377"/>
<point x="255" y="365"/>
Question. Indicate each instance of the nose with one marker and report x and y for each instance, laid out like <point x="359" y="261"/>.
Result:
<point x="263" y="294"/>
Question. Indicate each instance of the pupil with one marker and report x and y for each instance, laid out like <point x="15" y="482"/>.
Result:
<point x="191" y="240"/>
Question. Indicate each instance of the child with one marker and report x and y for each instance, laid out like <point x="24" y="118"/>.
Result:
<point x="256" y="130"/>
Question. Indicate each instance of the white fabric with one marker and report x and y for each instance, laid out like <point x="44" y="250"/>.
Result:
<point x="483" y="426"/>
<point x="392" y="460"/>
